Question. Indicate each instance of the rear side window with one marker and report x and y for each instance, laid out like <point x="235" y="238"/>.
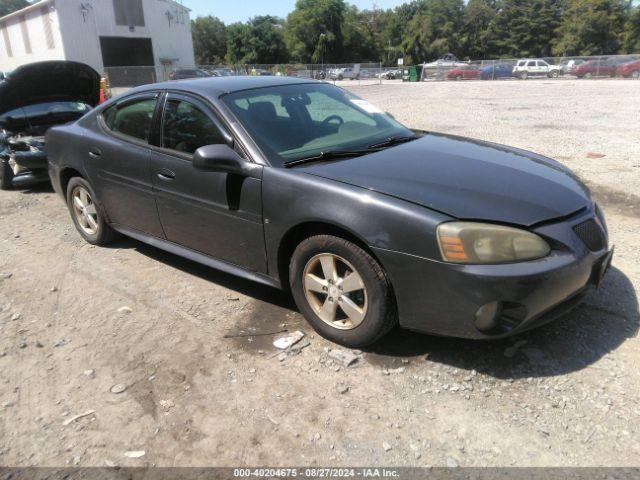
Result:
<point x="132" y="119"/>
<point x="185" y="128"/>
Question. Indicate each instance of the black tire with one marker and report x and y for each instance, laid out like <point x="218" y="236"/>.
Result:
<point x="104" y="233"/>
<point x="554" y="74"/>
<point x="6" y="175"/>
<point x="380" y="316"/>
<point x="340" y="77"/>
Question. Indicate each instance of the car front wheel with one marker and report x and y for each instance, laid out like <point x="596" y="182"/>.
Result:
<point x="342" y="291"/>
<point x="87" y="213"/>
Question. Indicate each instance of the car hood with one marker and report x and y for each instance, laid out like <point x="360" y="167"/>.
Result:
<point x="49" y="81"/>
<point x="466" y="179"/>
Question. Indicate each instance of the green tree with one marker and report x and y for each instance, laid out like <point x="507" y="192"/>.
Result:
<point x="259" y="41"/>
<point x="591" y="27"/>
<point x="433" y="30"/>
<point x="314" y="31"/>
<point x="395" y="24"/>
<point x="632" y="32"/>
<point x="525" y="28"/>
<point x="209" y="40"/>
<point x="364" y="34"/>
<point x="476" y="23"/>
<point x="10" y="6"/>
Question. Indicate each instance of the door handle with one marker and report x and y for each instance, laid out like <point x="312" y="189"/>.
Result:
<point x="95" y="153"/>
<point x="166" y="175"/>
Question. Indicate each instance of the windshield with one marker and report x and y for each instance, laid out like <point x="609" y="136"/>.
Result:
<point x="292" y="122"/>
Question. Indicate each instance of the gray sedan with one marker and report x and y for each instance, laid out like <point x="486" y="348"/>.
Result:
<point x="299" y="185"/>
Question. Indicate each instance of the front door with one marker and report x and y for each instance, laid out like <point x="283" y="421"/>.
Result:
<point x="214" y="213"/>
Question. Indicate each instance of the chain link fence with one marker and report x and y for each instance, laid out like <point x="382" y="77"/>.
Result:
<point x="583" y="67"/>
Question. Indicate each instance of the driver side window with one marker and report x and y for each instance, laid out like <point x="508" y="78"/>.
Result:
<point x="185" y="128"/>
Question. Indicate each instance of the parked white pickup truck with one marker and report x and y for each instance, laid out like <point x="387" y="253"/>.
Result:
<point x="342" y="73"/>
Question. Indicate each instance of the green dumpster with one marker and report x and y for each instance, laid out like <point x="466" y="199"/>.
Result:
<point x="412" y="74"/>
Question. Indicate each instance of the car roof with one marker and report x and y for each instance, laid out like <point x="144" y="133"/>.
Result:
<point x="217" y="86"/>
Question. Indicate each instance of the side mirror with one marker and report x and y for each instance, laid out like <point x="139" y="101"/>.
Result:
<point x="222" y="158"/>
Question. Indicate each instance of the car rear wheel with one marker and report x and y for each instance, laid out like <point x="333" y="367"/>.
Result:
<point x="6" y="175"/>
<point x="342" y="291"/>
<point x="635" y="74"/>
<point x="554" y="74"/>
<point x="87" y="213"/>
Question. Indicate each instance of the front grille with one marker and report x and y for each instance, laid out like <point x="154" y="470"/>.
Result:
<point x="591" y="234"/>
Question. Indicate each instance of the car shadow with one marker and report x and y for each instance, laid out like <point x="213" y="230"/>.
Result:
<point x="259" y="292"/>
<point x="600" y="325"/>
<point x="36" y="188"/>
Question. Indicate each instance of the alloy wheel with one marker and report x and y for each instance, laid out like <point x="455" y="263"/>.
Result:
<point x="85" y="210"/>
<point x="335" y="291"/>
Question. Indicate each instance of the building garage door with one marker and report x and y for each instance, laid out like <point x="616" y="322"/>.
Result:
<point x="128" y="61"/>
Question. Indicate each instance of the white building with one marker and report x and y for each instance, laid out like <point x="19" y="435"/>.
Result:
<point x="106" y="34"/>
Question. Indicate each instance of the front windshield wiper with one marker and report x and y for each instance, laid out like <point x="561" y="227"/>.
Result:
<point x="330" y="155"/>
<point x="389" y="142"/>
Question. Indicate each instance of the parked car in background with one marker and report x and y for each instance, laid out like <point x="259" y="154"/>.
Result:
<point x="495" y="71"/>
<point x="605" y="67"/>
<point x="566" y="66"/>
<point x="629" y="69"/>
<point x="184" y="73"/>
<point x="535" y="67"/>
<point x="221" y="72"/>
<point x="469" y="72"/>
<point x="445" y="62"/>
<point x="34" y="98"/>
<point x="300" y="185"/>
<point x="440" y="67"/>
<point x="391" y="74"/>
<point x="345" y="73"/>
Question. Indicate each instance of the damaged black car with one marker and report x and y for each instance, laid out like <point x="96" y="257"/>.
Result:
<point x="34" y="98"/>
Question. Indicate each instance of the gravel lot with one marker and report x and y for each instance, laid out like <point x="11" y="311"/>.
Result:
<point x="76" y="320"/>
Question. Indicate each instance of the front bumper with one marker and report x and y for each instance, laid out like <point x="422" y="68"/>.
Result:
<point x="443" y="299"/>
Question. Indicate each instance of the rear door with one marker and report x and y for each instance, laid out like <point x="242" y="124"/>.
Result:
<point x="117" y="161"/>
<point x="214" y="213"/>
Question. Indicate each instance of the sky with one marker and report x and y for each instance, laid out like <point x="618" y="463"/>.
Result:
<point x="230" y="11"/>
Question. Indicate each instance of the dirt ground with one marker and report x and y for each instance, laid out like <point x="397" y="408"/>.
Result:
<point x="568" y="394"/>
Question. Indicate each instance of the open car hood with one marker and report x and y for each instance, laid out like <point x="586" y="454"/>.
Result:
<point x="49" y="81"/>
<point x="466" y="179"/>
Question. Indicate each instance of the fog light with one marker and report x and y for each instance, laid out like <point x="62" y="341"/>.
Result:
<point x="487" y="316"/>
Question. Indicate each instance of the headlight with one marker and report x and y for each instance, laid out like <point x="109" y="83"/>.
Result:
<point x="483" y="243"/>
<point x="600" y="217"/>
